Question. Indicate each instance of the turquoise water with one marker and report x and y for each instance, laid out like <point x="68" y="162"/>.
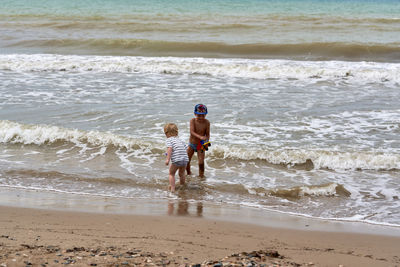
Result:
<point x="386" y="9"/>
<point x="301" y="30"/>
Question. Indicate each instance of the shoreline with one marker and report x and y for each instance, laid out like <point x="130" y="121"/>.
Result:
<point x="51" y="237"/>
<point x="58" y="201"/>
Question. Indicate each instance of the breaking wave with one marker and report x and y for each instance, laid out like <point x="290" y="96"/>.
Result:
<point x="144" y="47"/>
<point x="313" y="159"/>
<point x="16" y="133"/>
<point x="351" y="72"/>
<point x="330" y="189"/>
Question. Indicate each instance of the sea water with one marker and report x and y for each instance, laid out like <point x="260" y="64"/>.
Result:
<point x="303" y="100"/>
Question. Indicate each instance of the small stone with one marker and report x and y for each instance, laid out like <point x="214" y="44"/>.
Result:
<point x="148" y="254"/>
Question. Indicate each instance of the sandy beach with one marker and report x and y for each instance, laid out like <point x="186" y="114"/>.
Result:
<point x="51" y="238"/>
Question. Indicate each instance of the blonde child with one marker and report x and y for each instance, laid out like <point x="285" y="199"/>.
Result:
<point x="176" y="153"/>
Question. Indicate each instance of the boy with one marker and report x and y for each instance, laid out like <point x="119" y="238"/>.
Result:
<point x="199" y="131"/>
<point x="176" y="152"/>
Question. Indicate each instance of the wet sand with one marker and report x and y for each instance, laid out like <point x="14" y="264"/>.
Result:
<point x="51" y="238"/>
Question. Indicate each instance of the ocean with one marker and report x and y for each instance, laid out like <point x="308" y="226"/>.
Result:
<point x="303" y="100"/>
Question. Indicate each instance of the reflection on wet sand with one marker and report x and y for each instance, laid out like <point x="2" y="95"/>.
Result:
<point x="192" y="191"/>
<point x="181" y="208"/>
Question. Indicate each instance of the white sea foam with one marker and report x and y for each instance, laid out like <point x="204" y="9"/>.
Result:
<point x="12" y="132"/>
<point x="351" y="72"/>
<point x="326" y="190"/>
<point x="334" y="160"/>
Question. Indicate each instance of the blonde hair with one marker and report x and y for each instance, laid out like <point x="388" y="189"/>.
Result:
<point x="170" y="129"/>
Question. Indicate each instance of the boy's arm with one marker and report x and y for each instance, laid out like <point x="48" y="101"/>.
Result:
<point x="208" y="131"/>
<point x="169" y="153"/>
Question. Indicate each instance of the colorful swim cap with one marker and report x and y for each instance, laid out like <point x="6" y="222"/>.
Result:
<point x="200" y="109"/>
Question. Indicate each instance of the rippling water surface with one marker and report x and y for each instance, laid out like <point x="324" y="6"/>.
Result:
<point x="302" y="98"/>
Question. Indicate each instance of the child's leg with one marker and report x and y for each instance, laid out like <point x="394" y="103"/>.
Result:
<point x="182" y="175"/>
<point x="200" y="156"/>
<point x="190" y="153"/>
<point x="172" y="171"/>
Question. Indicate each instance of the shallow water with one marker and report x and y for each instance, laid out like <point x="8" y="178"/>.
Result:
<point x="302" y="122"/>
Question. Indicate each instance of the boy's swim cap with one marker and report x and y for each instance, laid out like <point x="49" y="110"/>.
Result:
<point x="200" y="109"/>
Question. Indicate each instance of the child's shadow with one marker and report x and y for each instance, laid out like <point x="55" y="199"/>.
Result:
<point x="194" y="188"/>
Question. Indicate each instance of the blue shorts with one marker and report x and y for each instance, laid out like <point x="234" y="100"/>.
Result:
<point x="181" y="163"/>
<point x="193" y="146"/>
